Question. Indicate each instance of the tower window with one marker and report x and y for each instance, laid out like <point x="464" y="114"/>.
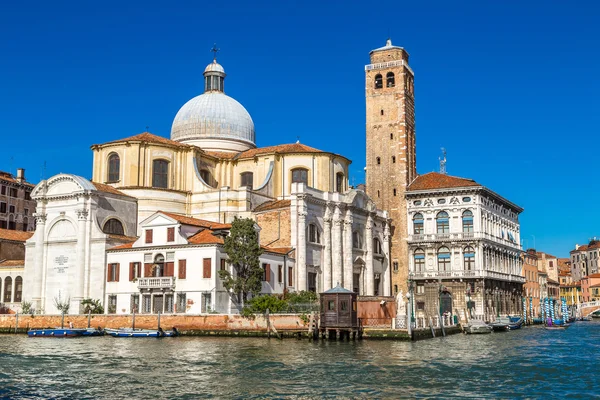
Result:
<point x="339" y="182"/>
<point x="378" y="194"/>
<point x="381" y="112"/>
<point x="378" y="160"/>
<point x="391" y="135"/>
<point x="113" y="167"/>
<point x="389" y="80"/>
<point x="394" y="159"/>
<point x="378" y="81"/>
<point x="160" y="173"/>
<point x="300" y="175"/>
<point x="394" y="192"/>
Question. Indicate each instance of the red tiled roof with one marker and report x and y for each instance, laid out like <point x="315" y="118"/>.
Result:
<point x="435" y="180"/>
<point x="594" y="276"/>
<point x="552" y="281"/>
<point x="123" y="246"/>
<point x="8" y="177"/>
<point x="281" y="149"/>
<point x="101" y="187"/>
<point x="123" y="237"/>
<point x="205" y="236"/>
<point x="597" y="285"/>
<point x="148" y="137"/>
<point x="221" y="154"/>
<point x="15" y="236"/>
<point x="580" y="248"/>
<point x="12" y="263"/>
<point x="196" y="222"/>
<point x="273" y="205"/>
<point x="278" y="250"/>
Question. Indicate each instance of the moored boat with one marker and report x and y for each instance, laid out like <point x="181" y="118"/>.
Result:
<point x="557" y="326"/>
<point x="137" y="333"/>
<point x="507" y="324"/>
<point x="56" y="332"/>
<point x="477" y="327"/>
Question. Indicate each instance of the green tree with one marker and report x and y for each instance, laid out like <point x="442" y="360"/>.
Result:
<point x="92" y="306"/>
<point x="244" y="251"/>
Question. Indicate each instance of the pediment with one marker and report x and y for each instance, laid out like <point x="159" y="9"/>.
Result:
<point x="158" y="219"/>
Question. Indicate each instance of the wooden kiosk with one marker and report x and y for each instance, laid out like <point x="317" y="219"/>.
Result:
<point x="338" y="314"/>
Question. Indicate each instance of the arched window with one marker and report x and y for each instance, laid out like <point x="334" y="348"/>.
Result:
<point x="160" y="174"/>
<point x="378" y="81"/>
<point x="389" y="80"/>
<point x="18" y="289"/>
<point x="442" y="222"/>
<point x="314" y="236"/>
<point x="113" y="227"/>
<point x="443" y="259"/>
<point x="300" y="175"/>
<point x="247" y="179"/>
<point x="114" y="167"/>
<point x="8" y="289"/>
<point x="419" y="257"/>
<point x="469" y="256"/>
<point x="357" y="241"/>
<point x="418" y="226"/>
<point x="339" y="182"/>
<point x="377" y="246"/>
<point x="467" y="221"/>
<point x="158" y="269"/>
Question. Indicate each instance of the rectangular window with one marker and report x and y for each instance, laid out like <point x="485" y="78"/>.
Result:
<point x="169" y="303"/>
<point x="170" y="234"/>
<point x="344" y="305"/>
<point x="300" y="175"/>
<point x="160" y="174"/>
<point x="147" y="304"/>
<point x="11" y="209"/>
<point x="112" y="304"/>
<point x="3" y="208"/>
<point x="339" y="182"/>
<point x="113" y="272"/>
<point x="395" y="266"/>
<point x="223" y="264"/>
<point x="290" y="276"/>
<point x="181" y="303"/>
<point x="27" y="195"/>
<point x="148" y="235"/>
<point x="266" y="272"/>
<point x="135" y="270"/>
<point x="3" y="190"/>
<point x="13" y="192"/>
<point x="420" y="305"/>
<point x="206" y="268"/>
<point x="443" y="225"/>
<point x="182" y="269"/>
<point x="206" y="303"/>
<point x="280" y="274"/>
<point x="3" y="224"/>
<point x="26" y="210"/>
<point x="247" y="179"/>
<point x="420" y="289"/>
<point x="331" y="305"/>
<point x="134" y="303"/>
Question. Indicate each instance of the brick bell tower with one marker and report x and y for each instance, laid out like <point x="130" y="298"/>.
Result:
<point x="391" y="148"/>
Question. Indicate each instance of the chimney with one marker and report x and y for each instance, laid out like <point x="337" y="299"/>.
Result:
<point x="20" y="175"/>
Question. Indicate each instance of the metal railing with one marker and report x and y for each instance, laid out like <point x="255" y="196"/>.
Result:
<point x="163" y="282"/>
<point x="423" y="237"/>
<point x="469" y="274"/>
<point x="385" y="323"/>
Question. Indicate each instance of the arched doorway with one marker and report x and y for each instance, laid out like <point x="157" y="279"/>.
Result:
<point x="445" y="303"/>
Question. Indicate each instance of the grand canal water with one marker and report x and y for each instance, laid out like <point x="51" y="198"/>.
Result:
<point x="531" y="362"/>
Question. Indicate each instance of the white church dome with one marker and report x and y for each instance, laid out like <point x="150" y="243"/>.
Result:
<point x="213" y="120"/>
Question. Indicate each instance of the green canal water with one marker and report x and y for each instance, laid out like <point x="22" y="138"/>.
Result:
<point x="528" y="363"/>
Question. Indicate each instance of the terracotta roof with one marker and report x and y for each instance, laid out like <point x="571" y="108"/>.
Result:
<point x="148" y="137"/>
<point x="594" y="276"/>
<point x="272" y="205"/>
<point x="7" y="176"/>
<point x="101" y="187"/>
<point x="221" y="154"/>
<point x="552" y="281"/>
<point x="435" y="180"/>
<point x="123" y="246"/>
<point x="597" y="285"/>
<point x="123" y="237"/>
<point x="580" y="248"/>
<point x="278" y="250"/>
<point x="205" y="236"/>
<point x="12" y="263"/>
<point x="16" y="236"/>
<point x="196" y="222"/>
<point x="281" y="149"/>
<point x="564" y="273"/>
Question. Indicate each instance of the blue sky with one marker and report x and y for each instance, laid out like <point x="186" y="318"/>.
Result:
<point x="510" y="90"/>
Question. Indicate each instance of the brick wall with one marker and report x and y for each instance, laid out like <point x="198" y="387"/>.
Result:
<point x="275" y="228"/>
<point x="211" y="322"/>
<point x="11" y="250"/>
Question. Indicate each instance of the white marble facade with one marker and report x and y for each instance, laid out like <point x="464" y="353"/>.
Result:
<point x="64" y="259"/>
<point x="340" y="238"/>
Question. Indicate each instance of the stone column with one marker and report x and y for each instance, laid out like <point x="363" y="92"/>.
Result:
<point x="79" y="261"/>
<point x="336" y="247"/>
<point x="301" y="246"/>
<point x="37" y="274"/>
<point x="348" y="261"/>
<point x="327" y="272"/>
<point x="387" y="274"/>
<point x="370" y="289"/>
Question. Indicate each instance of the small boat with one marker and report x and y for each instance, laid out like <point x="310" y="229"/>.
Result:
<point x="94" y="332"/>
<point x="507" y="323"/>
<point x="557" y="326"/>
<point x="477" y="326"/>
<point x="131" y="332"/>
<point x="587" y="318"/>
<point x="56" y="332"/>
<point x="537" y="321"/>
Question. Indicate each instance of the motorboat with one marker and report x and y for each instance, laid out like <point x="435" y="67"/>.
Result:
<point x="557" y="326"/>
<point x="507" y="323"/>
<point x="137" y="333"/>
<point x="56" y="332"/>
<point x="476" y="327"/>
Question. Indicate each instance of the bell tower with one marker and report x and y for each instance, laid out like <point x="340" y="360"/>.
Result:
<point x="391" y="148"/>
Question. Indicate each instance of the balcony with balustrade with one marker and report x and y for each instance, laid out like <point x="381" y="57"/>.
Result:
<point x="157" y="283"/>
<point x="468" y="274"/>
<point x="458" y="236"/>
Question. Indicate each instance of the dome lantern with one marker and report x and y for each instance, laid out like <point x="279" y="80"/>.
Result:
<point x="214" y="77"/>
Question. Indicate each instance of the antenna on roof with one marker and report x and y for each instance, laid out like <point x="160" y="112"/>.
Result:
<point x="443" y="162"/>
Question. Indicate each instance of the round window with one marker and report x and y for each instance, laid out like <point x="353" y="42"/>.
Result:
<point x="417" y="203"/>
<point x="466" y="199"/>
<point x="441" y="201"/>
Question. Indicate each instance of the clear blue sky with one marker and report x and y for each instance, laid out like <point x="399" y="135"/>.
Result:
<point x="510" y="90"/>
